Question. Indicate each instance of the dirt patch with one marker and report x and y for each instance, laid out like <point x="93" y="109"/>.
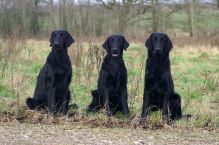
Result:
<point x="76" y="134"/>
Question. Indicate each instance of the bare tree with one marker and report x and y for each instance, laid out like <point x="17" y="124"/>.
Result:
<point x="155" y="14"/>
<point x="190" y="10"/>
<point x="88" y="18"/>
<point x="217" y="1"/>
<point x="124" y="11"/>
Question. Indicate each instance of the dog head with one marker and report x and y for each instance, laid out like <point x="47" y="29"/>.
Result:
<point x="158" y="44"/>
<point x="60" y="40"/>
<point x="115" y="44"/>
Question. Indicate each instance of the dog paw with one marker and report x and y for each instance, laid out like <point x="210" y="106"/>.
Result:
<point x="166" y="119"/>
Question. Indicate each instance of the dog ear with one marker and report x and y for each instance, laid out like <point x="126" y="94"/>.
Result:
<point x="168" y="43"/>
<point x="125" y="43"/>
<point x="148" y="42"/>
<point x="69" y="40"/>
<point x="51" y="39"/>
<point x="106" y="44"/>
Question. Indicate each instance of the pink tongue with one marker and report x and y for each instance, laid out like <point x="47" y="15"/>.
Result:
<point x="115" y="54"/>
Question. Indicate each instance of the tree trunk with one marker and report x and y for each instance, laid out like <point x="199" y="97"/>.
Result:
<point x="62" y="14"/>
<point x="34" y="21"/>
<point x="155" y="15"/>
<point x="191" y="16"/>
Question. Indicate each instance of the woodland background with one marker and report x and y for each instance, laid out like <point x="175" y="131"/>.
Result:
<point x="96" y="18"/>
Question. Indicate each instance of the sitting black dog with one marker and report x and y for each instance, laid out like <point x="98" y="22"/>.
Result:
<point x="52" y="88"/>
<point x="111" y="92"/>
<point x="159" y="87"/>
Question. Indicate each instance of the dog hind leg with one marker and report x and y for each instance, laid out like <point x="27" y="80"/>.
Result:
<point x="175" y="106"/>
<point x="33" y="103"/>
<point x="95" y="105"/>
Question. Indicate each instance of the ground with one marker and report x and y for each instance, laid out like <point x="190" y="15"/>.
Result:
<point x="75" y="134"/>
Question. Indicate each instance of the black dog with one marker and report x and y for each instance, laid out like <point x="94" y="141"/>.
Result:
<point x="111" y="92"/>
<point x="52" y="88"/>
<point x="159" y="88"/>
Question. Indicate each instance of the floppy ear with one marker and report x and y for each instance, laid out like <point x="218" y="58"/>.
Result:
<point x="69" y="40"/>
<point x="51" y="39"/>
<point x="106" y="45"/>
<point x="168" y="45"/>
<point x="125" y="43"/>
<point x="148" y="42"/>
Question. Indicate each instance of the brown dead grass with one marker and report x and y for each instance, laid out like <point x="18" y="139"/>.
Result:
<point x="21" y="114"/>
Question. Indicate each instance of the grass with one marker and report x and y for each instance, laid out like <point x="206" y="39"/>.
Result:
<point x="194" y="69"/>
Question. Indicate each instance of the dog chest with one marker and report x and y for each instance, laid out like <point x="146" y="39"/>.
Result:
<point x="60" y="80"/>
<point x="157" y="84"/>
<point x="115" y="80"/>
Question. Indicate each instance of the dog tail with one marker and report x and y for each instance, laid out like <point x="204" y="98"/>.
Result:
<point x="32" y="103"/>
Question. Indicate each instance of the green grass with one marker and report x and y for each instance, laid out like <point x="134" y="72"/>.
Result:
<point x="195" y="73"/>
<point x="6" y="92"/>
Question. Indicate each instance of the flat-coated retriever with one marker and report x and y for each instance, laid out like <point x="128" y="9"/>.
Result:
<point x="159" y="87"/>
<point x="111" y="93"/>
<point x="52" y="88"/>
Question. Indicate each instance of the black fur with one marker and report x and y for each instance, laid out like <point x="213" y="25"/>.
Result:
<point x="52" y="88"/>
<point x="159" y="87"/>
<point x="111" y="92"/>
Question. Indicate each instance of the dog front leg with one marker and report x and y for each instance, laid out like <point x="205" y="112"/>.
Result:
<point x="165" y="110"/>
<point x="106" y="101"/>
<point x="65" y="102"/>
<point x="52" y="100"/>
<point x="145" y="105"/>
<point x="124" y="102"/>
<point x="106" y="91"/>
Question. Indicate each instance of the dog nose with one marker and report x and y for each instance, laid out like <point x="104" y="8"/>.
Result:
<point x="56" y="44"/>
<point x="114" y="50"/>
<point x="157" y="49"/>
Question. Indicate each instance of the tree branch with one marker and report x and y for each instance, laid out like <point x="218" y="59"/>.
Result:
<point x="104" y="4"/>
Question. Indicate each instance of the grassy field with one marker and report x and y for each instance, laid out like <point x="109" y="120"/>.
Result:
<point x="195" y="70"/>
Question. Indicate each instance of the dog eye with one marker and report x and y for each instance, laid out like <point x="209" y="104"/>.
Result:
<point x="162" y="39"/>
<point x="155" y="38"/>
<point x="111" y="40"/>
<point x="61" y="34"/>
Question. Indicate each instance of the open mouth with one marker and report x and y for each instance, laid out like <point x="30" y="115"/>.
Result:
<point x="115" y="54"/>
